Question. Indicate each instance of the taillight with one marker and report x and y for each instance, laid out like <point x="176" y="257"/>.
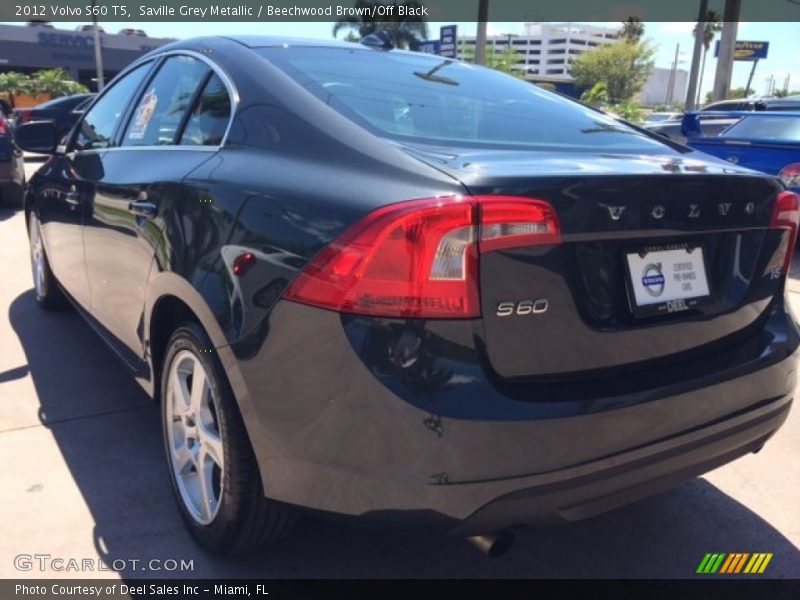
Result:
<point x="790" y="175"/>
<point x="419" y="259"/>
<point x="513" y="222"/>
<point x="786" y="215"/>
<point x="24" y="116"/>
<point x="3" y="127"/>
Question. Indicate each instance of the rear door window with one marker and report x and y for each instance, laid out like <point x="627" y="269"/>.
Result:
<point x="209" y="118"/>
<point x="165" y="102"/>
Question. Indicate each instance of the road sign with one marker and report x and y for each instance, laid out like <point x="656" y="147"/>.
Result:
<point x="748" y="50"/>
<point x="448" y="41"/>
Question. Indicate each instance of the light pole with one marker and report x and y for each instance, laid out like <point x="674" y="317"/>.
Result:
<point x="480" y="38"/>
<point x="98" y="53"/>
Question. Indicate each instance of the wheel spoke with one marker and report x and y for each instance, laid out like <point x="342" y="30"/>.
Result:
<point x="208" y="499"/>
<point x="182" y="460"/>
<point x="181" y="390"/>
<point x="212" y="445"/>
<point x="199" y="389"/>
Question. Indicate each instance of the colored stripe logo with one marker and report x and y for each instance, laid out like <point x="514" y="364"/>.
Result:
<point x="736" y="562"/>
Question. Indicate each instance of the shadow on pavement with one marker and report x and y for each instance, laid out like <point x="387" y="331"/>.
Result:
<point x="108" y="432"/>
<point x="6" y="212"/>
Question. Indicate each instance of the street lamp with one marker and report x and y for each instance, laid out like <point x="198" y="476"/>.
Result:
<point x="98" y="54"/>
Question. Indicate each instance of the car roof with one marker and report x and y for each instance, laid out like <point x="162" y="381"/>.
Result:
<point x="266" y="41"/>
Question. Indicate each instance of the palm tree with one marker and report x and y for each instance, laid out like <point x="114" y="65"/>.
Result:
<point x="13" y="83"/>
<point x="405" y="32"/>
<point x="55" y="83"/>
<point x="632" y="30"/>
<point x="713" y="25"/>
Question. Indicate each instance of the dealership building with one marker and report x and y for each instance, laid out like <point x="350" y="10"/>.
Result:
<point x="29" y="48"/>
<point x="545" y="52"/>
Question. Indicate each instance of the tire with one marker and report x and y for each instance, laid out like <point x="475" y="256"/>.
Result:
<point x="225" y="510"/>
<point x="47" y="291"/>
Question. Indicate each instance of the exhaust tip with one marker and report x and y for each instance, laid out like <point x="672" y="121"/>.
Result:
<point x="493" y="544"/>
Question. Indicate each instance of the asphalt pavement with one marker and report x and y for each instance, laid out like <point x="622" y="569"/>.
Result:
<point x="83" y="477"/>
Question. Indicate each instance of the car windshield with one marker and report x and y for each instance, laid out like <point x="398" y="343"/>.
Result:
<point x="433" y="100"/>
<point x="766" y="128"/>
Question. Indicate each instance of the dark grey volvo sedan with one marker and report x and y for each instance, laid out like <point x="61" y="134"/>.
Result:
<point x="387" y="284"/>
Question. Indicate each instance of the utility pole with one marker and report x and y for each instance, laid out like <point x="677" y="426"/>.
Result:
<point x="673" y="74"/>
<point x="699" y="34"/>
<point x="480" y="38"/>
<point x="727" y="47"/>
<point x="98" y="53"/>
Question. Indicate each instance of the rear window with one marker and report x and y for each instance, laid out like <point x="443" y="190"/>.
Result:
<point x="766" y="128"/>
<point x="430" y="99"/>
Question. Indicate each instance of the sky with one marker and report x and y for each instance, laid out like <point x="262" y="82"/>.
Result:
<point x="783" y="59"/>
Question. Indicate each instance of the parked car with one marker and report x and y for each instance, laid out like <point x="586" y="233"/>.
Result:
<point x="12" y="168"/>
<point x="64" y="111"/>
<point x="673" y="129"/>
<point x="748" y="104"/>
<point x="765" y="141"/>
<point x="90" y="27"/>
<point x="387" y="284"/>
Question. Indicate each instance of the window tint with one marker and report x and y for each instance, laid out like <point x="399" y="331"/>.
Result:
<point x="766" y="128"/>
<point x="429" y="99"/>
<point x="98" y="125"/>
<point x="165" y="102"/>
<point x="209" y="119"/>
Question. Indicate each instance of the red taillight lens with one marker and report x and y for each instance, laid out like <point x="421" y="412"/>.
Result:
<point x="419" y="259"/>
<point x="3" y="127"/>
<point x="786" y="215"/>
<point x="790" y="175"/>
<point x="514" y="222"/>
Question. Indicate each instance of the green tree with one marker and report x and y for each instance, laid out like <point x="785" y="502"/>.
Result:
<point x="713" y="23"/>
<point x="623" y="68"/>
<point x="784" y="93"/>
<point x="505" y="60"/>
<point x="405" y="32"/>
<point x="597" y="95"/>
<point x="13" y="84"/>
<point x="632" y="30"/>
<point x="55" y="83"/>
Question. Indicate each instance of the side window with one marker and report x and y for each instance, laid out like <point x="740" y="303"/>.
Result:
<point x="165" y="102"/>
<point x="98" y="125"/>
<point x="209" y="119"/>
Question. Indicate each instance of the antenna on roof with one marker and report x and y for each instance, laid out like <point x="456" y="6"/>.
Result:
<point x="378" y="40"/>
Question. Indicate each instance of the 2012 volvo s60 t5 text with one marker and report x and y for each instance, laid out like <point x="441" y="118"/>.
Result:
<point x="389" y="284"/>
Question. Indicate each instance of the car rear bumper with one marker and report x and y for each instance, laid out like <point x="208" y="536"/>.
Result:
<point x="333" y="434"/>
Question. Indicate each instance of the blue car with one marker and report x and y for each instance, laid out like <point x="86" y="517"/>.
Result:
<point x="763" y="141"/>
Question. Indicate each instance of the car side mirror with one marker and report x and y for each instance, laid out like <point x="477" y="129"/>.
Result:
<point x="37" y="136"/>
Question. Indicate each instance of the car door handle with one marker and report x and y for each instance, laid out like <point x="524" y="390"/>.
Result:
<point x="143" y="209"/>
